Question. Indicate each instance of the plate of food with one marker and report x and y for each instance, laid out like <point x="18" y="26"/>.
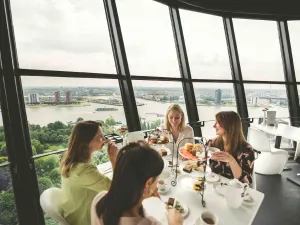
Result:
<point x="192" y="167"/>
<point x="192" y="151"/>
<point x="178" y="205"/>
<point x="190" y="183"/>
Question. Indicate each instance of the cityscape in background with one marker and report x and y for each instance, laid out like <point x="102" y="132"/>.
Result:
<point x="204" y="96"/>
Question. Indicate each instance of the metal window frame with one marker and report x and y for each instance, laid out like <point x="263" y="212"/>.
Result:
<point x="23" y="173"/>
<point x="289" y="73"/>
<point x="16" y="130"/>
<point x="236" y="72"/>
<point x="187" y="83"/>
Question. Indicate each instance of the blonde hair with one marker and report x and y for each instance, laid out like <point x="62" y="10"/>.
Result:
<point x="175" y="107"/>
<point x="231" y="122"/>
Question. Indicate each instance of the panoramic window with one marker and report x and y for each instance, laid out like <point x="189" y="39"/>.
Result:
<point x="270" y="96"/>
<point x="294" y="31"/>
<point x="8" y="212"/>
<point x="62" y="35"/>
<point x="212" y="98"/>
<point x="206" y="45"/>
<point x="66" y="101"/>
<point x="259" y="49"/>
<point x="153" y="99"/>
<point x="148" y="38"/>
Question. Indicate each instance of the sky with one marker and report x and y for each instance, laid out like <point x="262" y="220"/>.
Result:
<point x="73" y="36"/>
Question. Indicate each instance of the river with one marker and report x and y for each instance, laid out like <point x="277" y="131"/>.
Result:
<point x="48" y="114"/>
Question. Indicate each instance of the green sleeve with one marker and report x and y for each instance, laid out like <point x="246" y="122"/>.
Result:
<point x="90" y="178"/>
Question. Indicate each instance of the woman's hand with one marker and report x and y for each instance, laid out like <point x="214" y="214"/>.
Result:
<point x="174" y="217"/>
<point x="112" y="152"/>
<point x="222" y="156"/>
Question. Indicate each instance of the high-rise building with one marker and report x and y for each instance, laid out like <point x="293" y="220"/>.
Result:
<point x="68" y="96"/>
<point x="57" y="97"/>
<point x="254" y="100"/>
<point x="33" y="98"/>
<point x="218" y="97"/>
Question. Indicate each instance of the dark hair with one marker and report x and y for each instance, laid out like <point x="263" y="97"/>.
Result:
<point x="232" y="124"/>
<point x="78" y="147"/>
<point x="136" y="163"/>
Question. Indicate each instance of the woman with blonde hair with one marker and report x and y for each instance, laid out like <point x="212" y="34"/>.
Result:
<point x="81" y="181"/>
<point x="236" y="158"/>
<point x="177" y="128"/>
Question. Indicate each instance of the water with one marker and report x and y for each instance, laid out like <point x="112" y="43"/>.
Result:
<point x="49" y="114"/>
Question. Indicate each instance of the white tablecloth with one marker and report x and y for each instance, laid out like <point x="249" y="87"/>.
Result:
<point x="214" y="202"/>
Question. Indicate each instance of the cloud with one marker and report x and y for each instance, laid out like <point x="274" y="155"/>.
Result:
<point x="73" y="36"/>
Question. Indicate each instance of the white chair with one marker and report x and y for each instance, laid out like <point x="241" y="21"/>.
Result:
<point x="291" y="133"/>
<point x="271" y="160"/>
<point x="253" y="184"/>
<point x="50" y="201"/>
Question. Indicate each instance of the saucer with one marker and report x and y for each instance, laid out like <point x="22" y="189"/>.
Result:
<point x="165" y="190"/>
<point x="220" y="189"/>
<point x="248" y="200"/>
<point x="212" y="177"/>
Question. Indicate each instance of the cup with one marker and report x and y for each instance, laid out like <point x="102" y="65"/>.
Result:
<point x="207" y="218"/>
<point x="161" y="184"/>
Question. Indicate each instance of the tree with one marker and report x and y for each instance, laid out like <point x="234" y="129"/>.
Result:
<point x="46" y="164"/>
<point x="3" y="151"/>
<point x="79" y="119"/>
<point x="8" y="213"/>
<point x="110" y="121"/>
<point x="5" y="180"/>
<point x="38" y="146"/>
<point x="55" y="177"/>
<point x="44" y="184"/>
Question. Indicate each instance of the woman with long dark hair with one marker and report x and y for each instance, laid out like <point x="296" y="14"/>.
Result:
<point x="236" y="158"/>
<point x="81" y="181"/>
<point x="135" y="179"/>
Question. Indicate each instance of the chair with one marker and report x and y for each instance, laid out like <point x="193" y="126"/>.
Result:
<point x="50" y="200"/>
<point x="271" y="160"/>
<point x="291" y="133"/>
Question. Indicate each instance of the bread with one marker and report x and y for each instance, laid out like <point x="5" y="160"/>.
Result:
<point x="197" y="147"/>
<point x="188" y="146"/>
<point x="171" y="201"/>
<point x="163" y="152"/>
<point x="188" y="168"/>
<point x="198" y="186"/>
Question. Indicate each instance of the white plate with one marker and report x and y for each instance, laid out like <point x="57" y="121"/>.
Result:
<point x="185" y="208"/>
<point x="211" y="177"/>
<point x="187" y="182"/>
<point x="221" y="190"/>
<point x="158" y="147"/>
<point x="182" y="165"/>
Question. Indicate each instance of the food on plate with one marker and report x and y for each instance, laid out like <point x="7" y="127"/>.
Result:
<point x="163" y="140"/>
<point x="163" y="152"/>
<point x="188" y="146"/>
<point x="198" y="185"/>
<point x="153" y="139"/>
<point x="170" y="162"/>
<point x="197" y="147"/>
<point x="172" y="203"/>
<point x="188" y="168"/>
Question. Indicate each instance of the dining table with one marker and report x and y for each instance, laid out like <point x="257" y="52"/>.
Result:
<point x="215" y="202"/>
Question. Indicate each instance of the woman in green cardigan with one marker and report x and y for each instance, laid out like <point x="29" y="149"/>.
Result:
<point x="81" y="181"/>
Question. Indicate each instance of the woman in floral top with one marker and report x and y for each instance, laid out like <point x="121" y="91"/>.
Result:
<point x="236" y="158"/>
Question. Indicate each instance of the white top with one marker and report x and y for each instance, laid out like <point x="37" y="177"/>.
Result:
<point x="187" y="132"/>
<point x="148" y="220"/>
